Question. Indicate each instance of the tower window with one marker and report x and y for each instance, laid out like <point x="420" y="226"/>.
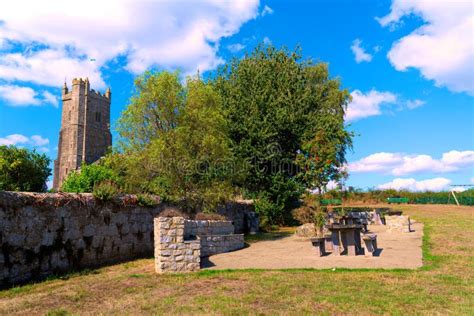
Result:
<point x="97" y="116"/>
<point x="69" y="116"/>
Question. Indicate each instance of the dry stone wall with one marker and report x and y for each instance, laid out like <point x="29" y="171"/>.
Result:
<point x="180" y="243"/>
<point x="172" y="252"/>
<point x="44" y="234"/>
<point x="216" y="236"/>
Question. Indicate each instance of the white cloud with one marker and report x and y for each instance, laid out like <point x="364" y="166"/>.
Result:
<point x="18" y="96"/>
<point x="266" y="10"/>
<point x="234" y="48"/>
<point x="369" y="104"/>
<point x="435" y="184"/>
<point x="399" y="164"/>
<point x="376" y="162"/>
<point x="332" y="185"/>
<point x="421" y="163"/>
<point x="459" y="158"/>
<point x="472" y="180"/>
<point x="50" y="98"/>
<point x="69" y="40"/>
<point x="413" y="104"/>
<point x="48" y="67"/>
<point x="458" y="189"/>
<point x="24" y="96"/>
<point x="35" y="141"/>
<point x="442" y="48"/>
<point x="267" y="41"/>
<point x="359" y="52"/>
<point x="13" y="139"/>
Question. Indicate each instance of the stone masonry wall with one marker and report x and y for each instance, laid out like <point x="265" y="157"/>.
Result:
<point x="200" y="227"/>
<point x="398" y="223"/>
<point x="172" y="252"/>
<point x="180" y="243"/>
<point x="216" y="236"/>
<point x="44" y="234"/>
<point x="214" y="244"/>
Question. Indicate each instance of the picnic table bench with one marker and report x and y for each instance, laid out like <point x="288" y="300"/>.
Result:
<point x="370" y="241"/>
<point x="349" y="235"/>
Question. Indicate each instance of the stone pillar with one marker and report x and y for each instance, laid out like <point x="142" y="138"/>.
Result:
<point x="349" y="242"/>
<point x="172" y="252"/>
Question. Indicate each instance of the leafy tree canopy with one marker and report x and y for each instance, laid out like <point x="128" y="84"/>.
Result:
<point x="271" y="124"/>
<point x="175" y="141"/>
<point x="23" y="170"/>
<point x="286" y="120"/>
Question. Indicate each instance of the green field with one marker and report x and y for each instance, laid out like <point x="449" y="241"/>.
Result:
<point x="443" y="286"/>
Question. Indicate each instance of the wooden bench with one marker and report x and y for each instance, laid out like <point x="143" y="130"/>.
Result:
<point x="370" y="241"/>
<point x="319" y="243"/>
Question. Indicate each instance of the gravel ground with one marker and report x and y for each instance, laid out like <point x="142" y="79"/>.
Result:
<point x="398" y="250"/>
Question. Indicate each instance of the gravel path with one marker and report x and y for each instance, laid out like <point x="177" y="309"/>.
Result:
<point x="399" y="250"/>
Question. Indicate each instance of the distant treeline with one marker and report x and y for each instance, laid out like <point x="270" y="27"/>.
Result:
<point x="380" y="196"/>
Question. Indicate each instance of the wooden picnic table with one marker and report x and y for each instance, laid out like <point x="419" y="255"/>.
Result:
<point x="349" y="235"/>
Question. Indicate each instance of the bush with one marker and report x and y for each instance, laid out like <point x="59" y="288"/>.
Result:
<point x="105" y="191"/>
<point x="268" y="211"/>
<point x="311" y="212"/>
<point x="303" y="214"/>
<point x="209" y="217"/>
<point x="83" y="181"/>
<point x="148" y="200"/>
<point x="23" y="170"/>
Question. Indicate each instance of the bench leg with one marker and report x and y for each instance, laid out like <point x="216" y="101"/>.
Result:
<point x="369" y="247"/>
<point x="328" y="245"/>
<point x="321" y="251"/>
<point x="335" y="243"/>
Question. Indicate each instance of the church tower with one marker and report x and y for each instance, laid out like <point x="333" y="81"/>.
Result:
<point x="85" y="129"/>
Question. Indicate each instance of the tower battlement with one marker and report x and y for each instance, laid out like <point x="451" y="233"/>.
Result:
<point x="85" y="128"/>
<point x="83" y="84"/>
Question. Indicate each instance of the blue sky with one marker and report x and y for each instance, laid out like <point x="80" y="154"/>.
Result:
<point x="408" y="64"/>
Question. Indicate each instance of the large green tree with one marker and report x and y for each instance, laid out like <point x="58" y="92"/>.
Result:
<point x="23" y="170"/>
<point x="174" y="141"/>
<point x="286" y="121"/>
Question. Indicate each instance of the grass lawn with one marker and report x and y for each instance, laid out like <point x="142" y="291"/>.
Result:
<point x="443" y="286"/>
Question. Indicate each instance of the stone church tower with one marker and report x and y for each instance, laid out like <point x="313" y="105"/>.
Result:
<point x="85" y="129"/>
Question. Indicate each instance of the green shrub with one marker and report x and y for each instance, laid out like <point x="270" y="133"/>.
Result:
<point x="84" y="181"/>
<point x="268" y="211"/>
<point x="105" y="191"/>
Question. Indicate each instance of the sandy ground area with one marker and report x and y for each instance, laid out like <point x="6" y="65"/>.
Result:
<point x="397" y="250"/>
